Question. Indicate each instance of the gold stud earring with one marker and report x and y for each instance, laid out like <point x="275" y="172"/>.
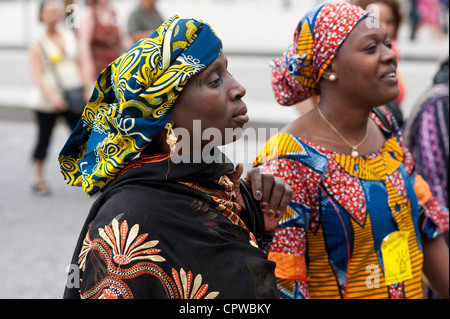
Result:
<point x="171" y="138"/>
<point x="333" y="78"/>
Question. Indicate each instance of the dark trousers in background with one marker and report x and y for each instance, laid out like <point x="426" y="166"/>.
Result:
<point x="46" y="122"/>
<point x="414" y="16"/>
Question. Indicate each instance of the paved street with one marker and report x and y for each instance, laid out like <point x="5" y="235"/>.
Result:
<point x="38" y="234"/>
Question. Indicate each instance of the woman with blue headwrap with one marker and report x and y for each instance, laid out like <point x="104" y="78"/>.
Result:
<point x="169" y="224"/>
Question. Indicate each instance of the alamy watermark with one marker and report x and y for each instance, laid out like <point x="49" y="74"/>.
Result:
<point x="238" y="144"/>
<point x="73" y="276"/>
<point x="73" y="16"/>
<point x="373" y="21"/>
<point x="373" y="279"/>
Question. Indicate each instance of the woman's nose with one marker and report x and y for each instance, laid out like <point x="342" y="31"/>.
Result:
<point x="238" y="90"/>
<point x="389" y="55"/>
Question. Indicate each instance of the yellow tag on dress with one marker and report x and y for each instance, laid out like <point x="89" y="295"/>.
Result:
<point x="396" y="258"/>
<point x="56" y="57"/>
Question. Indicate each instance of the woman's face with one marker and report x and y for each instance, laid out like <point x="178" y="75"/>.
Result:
<point x="211" y="100"/>
<point x="387" y="19"/>
<point x="51" y="13"/>
<point x="366" y="66"/>
<point x="100" y="2"/>
<point x="148" y="5"/>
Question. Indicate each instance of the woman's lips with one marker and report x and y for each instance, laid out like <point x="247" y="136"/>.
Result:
<point x="390" y="78"/>
<point x="242" y="116"/>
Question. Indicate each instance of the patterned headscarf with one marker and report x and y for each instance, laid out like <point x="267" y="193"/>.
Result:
<point x="133" y="99"/>
<point x="296" y="75"/>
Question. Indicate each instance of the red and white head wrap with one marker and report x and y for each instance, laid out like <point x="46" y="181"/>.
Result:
<point x="296" y="75"/>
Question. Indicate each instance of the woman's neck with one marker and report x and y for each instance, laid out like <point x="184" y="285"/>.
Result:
<point x="52" y="30"/>
<point x="346" y="118"/>
<point x="102" y="6"/>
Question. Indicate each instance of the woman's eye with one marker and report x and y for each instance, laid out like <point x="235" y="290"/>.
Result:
<point x="215" y="82"/>
<point x="371" y="48"/>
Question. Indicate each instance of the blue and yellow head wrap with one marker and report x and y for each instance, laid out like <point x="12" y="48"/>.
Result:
<point x="133" y="99"/>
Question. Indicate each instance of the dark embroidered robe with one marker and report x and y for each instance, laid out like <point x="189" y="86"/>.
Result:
<point x="166" y="230"/>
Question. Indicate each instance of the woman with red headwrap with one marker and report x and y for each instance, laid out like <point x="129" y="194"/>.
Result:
<point x="354" y="228"/>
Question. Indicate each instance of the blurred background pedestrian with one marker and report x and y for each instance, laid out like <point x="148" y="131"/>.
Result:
<point x="414" y="19"/>
<point x="428" y="13"/>
<point x="101" y="40"/>
<point x="143" y="20"/>
<point x="55" y="68"/>
<point x="427" y="136"/>
<point x="444" y="15"/>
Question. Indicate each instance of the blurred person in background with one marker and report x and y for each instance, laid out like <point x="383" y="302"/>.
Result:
<point x="143" y="20"/>
<point x="55" y="67"/>
<point x="427" y="136"/>
<point x="101" y="41"/>
<point x="444" y="16"/>
<point x="354" y="228"/>
<point x="66" y="4"/>
<point x="414" y="18"/>
<point x="390" y="18"/>
<point x="430" y="15"/>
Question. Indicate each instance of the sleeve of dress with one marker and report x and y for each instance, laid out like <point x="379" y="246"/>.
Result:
<point x="288" y="249"/>
<point x="435" y="219"/>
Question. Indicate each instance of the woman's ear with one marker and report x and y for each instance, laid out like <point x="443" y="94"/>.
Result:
<point x="330" y="73"/>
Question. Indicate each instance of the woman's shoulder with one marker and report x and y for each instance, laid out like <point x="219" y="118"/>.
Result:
<point x="299" y="127"/>
<point x="87" y="16"/>
<point x="133" y="202"/>
<point x="38" y="38"/>
<point x="290" y="136"/>
<point x="129" y="196"/>
<point x="66" y="32"/>
<point x="88" y="10"/>
<point x="287" y="147"/>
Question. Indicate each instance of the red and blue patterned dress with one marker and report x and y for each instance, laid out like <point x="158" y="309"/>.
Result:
<point x="336" y="239"/>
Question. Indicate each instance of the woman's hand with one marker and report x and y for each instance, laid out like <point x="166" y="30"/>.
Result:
<point x="273" y="193"/>
<point x="58" y="103"/>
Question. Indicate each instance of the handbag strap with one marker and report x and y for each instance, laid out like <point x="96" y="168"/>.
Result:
<point x="52" y="66"/>
<point x="383" y="118"/>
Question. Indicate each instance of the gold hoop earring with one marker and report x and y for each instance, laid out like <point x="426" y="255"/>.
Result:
<point x="333" y="78"/>
<point x="171" y="138"/>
